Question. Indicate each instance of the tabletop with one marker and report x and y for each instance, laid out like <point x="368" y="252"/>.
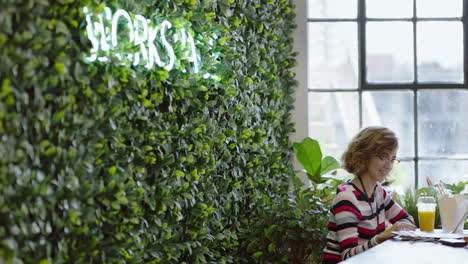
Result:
<point x="402" y="252"/>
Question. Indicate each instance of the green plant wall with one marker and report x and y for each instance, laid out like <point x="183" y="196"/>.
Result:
<point x="107" y="163"/>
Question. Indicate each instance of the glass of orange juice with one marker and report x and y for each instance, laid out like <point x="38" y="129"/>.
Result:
<point x="426" y="213"/>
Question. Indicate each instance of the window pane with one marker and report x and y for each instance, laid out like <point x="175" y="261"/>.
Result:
<point x="332" y="55"/>
<point x="403" y="176"/>
<point x="440" y="51"/>
<point x="395" y="111"/>
<point x="389" y="52"/>
<point x="443" y="123"/>
<point x="332" y="9"/>
<point x="333" y="120"/>
<point x="437" y="8"/>
<point x="447" y="171"/>
<point x="389" y="9"/>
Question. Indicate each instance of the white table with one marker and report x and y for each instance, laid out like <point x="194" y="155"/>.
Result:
<point x="403" y="252"/>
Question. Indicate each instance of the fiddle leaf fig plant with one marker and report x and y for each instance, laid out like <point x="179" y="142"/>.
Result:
<point x="309" y="154"/>
<point x="309" y="206"/>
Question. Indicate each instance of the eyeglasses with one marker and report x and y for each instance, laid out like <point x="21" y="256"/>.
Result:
<point x="386" y="159"/>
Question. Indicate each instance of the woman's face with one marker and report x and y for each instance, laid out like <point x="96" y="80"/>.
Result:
<point x="381" y="165"/>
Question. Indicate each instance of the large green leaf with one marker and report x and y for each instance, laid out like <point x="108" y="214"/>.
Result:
<point x="329" y="164"/>
<point x="308" y="153"/>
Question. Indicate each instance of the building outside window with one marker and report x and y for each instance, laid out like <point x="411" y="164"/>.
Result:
<point x="399" y="64"/>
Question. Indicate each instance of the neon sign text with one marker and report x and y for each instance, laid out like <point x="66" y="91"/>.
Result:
<point x="136" y="41"/>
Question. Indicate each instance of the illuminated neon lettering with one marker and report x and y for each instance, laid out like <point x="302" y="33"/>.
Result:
<point x="91" y="37"/>
<point x="151" y="41"/>
<point x="104" y="31"/>
<point x="164" y="25"/>
<point x="115" y="22"/>
<point x="140" y="39"/>
<point x="192" y="53"/>
<point x="153" y="52"/>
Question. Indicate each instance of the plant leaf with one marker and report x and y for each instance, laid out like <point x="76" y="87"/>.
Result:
<point x="328" y="164"/>
<point x="308" y="153"/>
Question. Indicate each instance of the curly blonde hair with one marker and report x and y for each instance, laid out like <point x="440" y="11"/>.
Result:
<point x="370" y="141"/>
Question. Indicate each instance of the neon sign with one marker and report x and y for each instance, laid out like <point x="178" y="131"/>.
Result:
<point x="138" y="41"/>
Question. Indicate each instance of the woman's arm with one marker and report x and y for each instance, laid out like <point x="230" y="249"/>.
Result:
<point x="396" y="215"/>
<point x="387" y="234"/>
<point x="347" y="216"/>
<point x="394" y="212"/>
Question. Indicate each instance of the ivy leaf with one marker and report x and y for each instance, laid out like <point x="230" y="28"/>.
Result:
<point x="60" y="68"/>
<point x="112" y="170"/>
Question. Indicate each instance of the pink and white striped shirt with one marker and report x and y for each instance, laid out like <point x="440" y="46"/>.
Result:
<point x="353" y="226"/>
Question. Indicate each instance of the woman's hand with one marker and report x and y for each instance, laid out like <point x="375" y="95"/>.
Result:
<point x="387" y="234"/>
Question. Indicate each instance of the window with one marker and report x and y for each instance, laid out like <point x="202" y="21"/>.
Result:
<point x="399" y="64"/>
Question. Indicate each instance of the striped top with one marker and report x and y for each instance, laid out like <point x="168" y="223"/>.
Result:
<point x="353" y="227"/>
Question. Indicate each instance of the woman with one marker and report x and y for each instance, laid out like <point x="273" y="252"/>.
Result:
<point x="361" y="206"/>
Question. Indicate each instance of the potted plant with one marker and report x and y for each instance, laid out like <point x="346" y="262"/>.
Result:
<point x="292" y="226"/>
<point x="321" y="171"/>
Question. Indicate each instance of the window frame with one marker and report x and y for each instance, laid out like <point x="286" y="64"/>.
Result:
<point x="414" y="87"/>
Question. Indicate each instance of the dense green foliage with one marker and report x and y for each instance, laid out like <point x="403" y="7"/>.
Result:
<point x="103" y="163"/>
<point x="296" y="227"/>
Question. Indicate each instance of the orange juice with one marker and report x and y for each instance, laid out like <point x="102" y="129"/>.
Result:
<point x="426" y="220"/>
